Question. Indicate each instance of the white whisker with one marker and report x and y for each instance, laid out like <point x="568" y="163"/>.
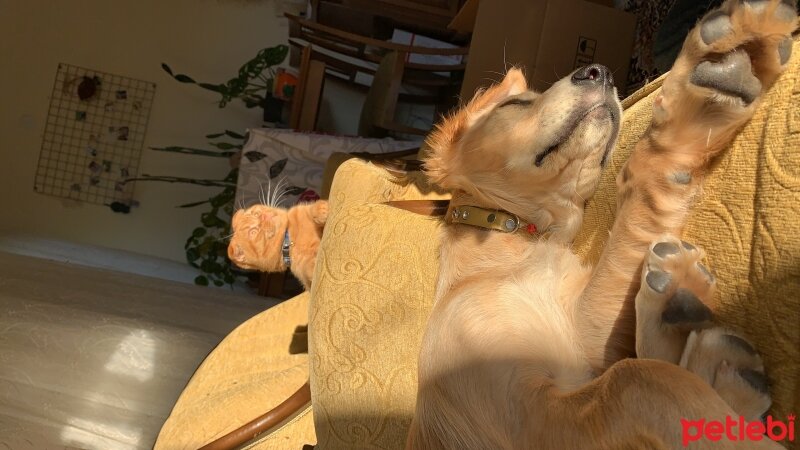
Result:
<point x="278" y="192"/>
<point x="261" y="189"/>
<point x="269" y="189"/>
<point x="505" y="63"/>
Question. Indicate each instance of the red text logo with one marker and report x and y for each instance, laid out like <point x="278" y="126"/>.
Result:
<point x="737" y="429"/>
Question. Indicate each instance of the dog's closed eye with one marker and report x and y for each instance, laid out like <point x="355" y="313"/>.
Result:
<point x="516" y="101"/>
<point x="540" y="157"/>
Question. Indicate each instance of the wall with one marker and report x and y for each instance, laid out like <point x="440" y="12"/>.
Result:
<point x="204" y="38"/>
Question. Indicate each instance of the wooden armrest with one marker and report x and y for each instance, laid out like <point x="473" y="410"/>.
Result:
<point x="253" y="429"/>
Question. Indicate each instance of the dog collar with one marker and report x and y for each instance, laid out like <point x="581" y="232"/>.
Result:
<point x="491" y="219"/>
<point x="287" y="260"/>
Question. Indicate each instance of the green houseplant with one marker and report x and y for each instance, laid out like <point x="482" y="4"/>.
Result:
<point x="206" y="247"/>
<point x="252" y="85"/>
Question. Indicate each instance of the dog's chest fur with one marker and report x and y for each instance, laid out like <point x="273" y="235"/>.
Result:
<point x="501" y="295"/>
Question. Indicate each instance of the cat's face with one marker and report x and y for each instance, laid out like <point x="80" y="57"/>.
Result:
<point x="257" y="238"/>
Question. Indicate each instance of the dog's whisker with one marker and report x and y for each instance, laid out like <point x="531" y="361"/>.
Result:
<point x="505" y="61"/>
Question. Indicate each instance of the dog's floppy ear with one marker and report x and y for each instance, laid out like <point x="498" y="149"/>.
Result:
<point x="442" y="160"/>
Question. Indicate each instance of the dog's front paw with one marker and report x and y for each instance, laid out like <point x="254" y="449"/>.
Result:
<point x="673" y="299"/>
<point x="744" y="45"/>
<point x="729" y="59"/>
<point x="732" y="366"/>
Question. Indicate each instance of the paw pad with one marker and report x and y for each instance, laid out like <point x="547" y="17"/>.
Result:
<point x="685" y="308"/>
<point x="757" y="380"/>
<point x="733" y="76"/>
<point x="785" y="50"/>
<point x="736" y="341"/>
<point x="664" y="249"/>
<point x="658" y="280"/>
<point x="784" y="11"/>
<point x="715" y="26"/>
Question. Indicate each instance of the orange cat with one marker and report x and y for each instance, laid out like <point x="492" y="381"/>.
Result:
<point x="272" y="239"/>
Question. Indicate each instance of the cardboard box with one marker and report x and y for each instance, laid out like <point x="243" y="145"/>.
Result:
<point x="548" y="38"/>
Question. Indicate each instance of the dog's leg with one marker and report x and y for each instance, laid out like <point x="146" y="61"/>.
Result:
<point x="673" y="300"/>
<point x="734" y="54"/>
<point x="674" y="324"/>
<point x="640" y="403"/>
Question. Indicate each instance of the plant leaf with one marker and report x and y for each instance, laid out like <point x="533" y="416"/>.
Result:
<point x="192" y="205"/>
<point x="234" y="135"/>
<point x="193" y="151"/>
<point x="166" y="68"/>
<point x="221" y="199"/>
<point x="184" y="78"/>
<point x="192" y="255"/>
<point x="225" y="145"/>
<point x="215" y="135"/>
<point x="294" y="190"/>
<point x="219" y="88"/>
<point x="199" y="232"/>
<point x="200" y="280"/>
<point x="277" y="167"/>
<point x="218" y="283"/>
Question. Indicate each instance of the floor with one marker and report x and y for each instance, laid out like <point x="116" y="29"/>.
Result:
<point x="95" y="359"/>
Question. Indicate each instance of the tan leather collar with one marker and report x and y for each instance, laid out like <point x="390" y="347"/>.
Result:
<point x="492" y="219"/>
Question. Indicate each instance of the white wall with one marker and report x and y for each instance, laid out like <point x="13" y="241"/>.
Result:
<point x="206" y="39"/>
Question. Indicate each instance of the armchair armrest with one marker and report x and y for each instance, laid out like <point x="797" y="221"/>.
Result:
<point x="261" y="424"/>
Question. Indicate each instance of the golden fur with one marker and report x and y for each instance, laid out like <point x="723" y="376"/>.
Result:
<point x="258" y="233"/>
<point x="525" y="347"/>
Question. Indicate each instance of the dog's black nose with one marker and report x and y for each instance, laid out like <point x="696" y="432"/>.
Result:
<point x="595" y="74"/>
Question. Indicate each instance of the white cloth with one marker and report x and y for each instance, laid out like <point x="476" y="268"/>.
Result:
<point x="306" y="155"/>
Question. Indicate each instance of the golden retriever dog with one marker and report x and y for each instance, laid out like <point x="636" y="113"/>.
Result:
<point x="526" y="348"/>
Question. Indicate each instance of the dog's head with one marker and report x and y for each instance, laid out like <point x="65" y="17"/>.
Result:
<point x="538" y="155"/>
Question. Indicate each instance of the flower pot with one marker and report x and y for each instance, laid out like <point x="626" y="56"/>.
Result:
<point x="273" y="109"/>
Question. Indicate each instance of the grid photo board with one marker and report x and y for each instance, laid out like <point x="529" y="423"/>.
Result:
<point x="94" y="135"/>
